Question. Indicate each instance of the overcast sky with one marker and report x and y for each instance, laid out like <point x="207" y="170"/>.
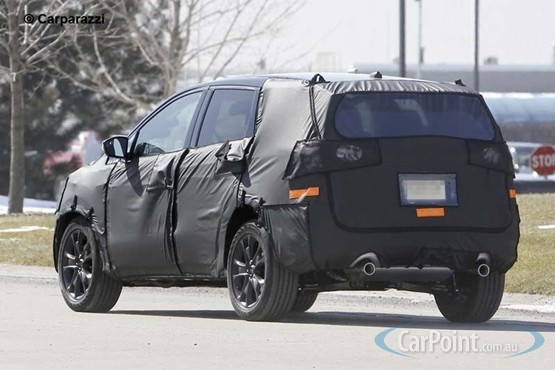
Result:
<point x="367" y="31"/>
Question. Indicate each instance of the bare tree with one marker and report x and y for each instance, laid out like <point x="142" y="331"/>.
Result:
<point x="201" y="38"/>
<point x="27" y="45"/>
<point x="197" y="37"/>
<point x="17" y="159"/>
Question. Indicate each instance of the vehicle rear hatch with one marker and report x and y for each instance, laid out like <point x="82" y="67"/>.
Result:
<point x="439" y="163"/>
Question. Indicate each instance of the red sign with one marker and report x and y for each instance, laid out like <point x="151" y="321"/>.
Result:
<point x="543" y="160"/>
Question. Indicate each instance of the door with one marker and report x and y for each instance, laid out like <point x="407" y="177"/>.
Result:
<point x="140" y="191"/>
<point x="207" y="192"/>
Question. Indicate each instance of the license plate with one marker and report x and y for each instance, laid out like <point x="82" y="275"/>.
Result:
<point x="428" y="189"/>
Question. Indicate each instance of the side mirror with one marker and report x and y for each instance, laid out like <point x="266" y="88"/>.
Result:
<point x="116" y="146"/>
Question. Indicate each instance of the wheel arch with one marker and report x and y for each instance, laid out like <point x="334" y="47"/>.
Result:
<point x="62" y="223"/>
<point x="239" y="217"/>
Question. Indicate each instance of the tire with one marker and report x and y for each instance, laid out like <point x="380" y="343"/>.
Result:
<point x="85" y="287"/>
<point x="304" y="301"/>
<point x="259" y="288"/>
<point x="476" y="300"/>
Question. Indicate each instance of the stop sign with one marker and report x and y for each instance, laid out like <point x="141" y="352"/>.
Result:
<point x="543" y="160"/>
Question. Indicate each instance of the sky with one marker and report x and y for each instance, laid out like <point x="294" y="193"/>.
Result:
<point x="367" y="31"/>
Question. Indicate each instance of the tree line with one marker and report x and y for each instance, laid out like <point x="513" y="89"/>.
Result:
<point x="57" y="80"/>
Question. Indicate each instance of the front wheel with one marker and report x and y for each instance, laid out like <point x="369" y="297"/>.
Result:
<point x="260" y="289"/>
<point x="476" y="298"/>
<point x="85" y="287"/>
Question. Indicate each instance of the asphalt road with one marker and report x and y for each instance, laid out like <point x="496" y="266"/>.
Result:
<point x="196" y="328"/>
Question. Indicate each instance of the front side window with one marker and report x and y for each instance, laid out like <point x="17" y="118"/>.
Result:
<point x="228" y="117"/>
<point x="167" y="130"/>
<point x="378" y="115"/>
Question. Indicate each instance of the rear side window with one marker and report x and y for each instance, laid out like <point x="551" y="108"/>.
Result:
<point x="375" y="115"/>
<point x="229" y="117"/>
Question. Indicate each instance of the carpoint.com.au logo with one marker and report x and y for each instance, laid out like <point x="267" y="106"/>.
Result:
<point x="414" y="343"/>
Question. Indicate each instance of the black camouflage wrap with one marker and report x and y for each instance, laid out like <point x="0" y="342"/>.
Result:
<point x="169" y="214"/>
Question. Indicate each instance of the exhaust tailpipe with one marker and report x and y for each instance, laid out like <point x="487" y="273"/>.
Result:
<point x="483" y="265"/>
<point x="369" y="269"/>
<point x="483" y="270"/>
<point x="367" y="264"/>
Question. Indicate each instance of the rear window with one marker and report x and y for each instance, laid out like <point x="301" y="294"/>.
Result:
<point x="375" y="115"/>
<point x="228" y="117"/>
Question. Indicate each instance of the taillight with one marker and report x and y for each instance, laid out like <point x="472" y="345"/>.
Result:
<point x="315" y="156"/>
<point x="491" y="155"/>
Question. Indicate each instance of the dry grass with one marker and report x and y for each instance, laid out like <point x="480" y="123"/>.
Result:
<point x="29" y="247"/>
<point x="534" y="271"/>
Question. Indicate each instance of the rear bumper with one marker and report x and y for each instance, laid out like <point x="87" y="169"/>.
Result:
<point x="455" y="250"/>
<point x="311" y="240"/>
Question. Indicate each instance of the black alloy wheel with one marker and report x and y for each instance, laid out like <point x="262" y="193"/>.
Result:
<point x="76" y="264"/>
<point x="84" y="285"/>
<point x="260" y="289"/>
<point x="248" y="270"/>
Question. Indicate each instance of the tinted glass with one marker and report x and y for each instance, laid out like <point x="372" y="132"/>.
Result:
<point x="367" y="115"/>
<point x="167" y="131"/>
<point x="229" y="117"/>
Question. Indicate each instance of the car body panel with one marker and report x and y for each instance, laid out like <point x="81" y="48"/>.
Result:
<point x="139" y="220"/>
<point x="205" y="201"/>
<point x="84" y="195"/>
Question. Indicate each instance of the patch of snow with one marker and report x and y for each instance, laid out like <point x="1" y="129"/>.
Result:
<point x="4" y="210"/>
<point x="542" y="308"/>
<point x="25" y="229"/>
<point x="30" y="205"/>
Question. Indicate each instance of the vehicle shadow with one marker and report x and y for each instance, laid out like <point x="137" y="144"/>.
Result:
<point x="362" y="319"/>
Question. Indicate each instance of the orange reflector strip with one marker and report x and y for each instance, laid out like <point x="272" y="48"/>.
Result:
<point x="308" y="192"/>
<point x="512" y="193"/>
<point x="430" y="212"/>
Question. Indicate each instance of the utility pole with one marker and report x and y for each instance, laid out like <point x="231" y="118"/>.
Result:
<point x="419" y="65"/>
<point x="402" y="58"/>
<point x="476" y="45"/>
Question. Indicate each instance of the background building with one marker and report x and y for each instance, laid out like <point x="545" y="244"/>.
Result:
<point x="493" y="77"/>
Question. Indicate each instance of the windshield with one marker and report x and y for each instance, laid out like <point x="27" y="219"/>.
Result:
<point x="374" y="115"/>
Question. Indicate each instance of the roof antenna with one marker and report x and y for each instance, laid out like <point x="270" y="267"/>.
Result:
<point x="459" y="82"/>
<point x="376" y="74"/>
<point x="317" y="78"/>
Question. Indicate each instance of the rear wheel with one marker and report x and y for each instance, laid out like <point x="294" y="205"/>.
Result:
<point x="85" y="287"/>
<point x="304" y="301"/>
<point x="475" y="300"/>
<point x="259" y="288"/>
